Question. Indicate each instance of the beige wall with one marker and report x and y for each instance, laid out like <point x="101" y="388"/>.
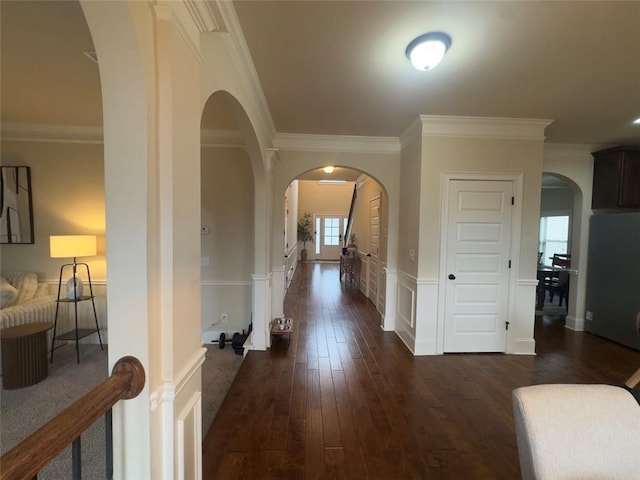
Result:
<point x="442" y="154"/>
<point x="227" y="211"/>
<point x="324" y="199"/>
<point x="410" y="167"/>
<point x="67" y="181"/>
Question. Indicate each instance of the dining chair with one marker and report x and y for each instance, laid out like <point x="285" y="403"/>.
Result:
<point x="562" y="260"/>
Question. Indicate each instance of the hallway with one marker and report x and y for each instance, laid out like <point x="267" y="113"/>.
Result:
<point x="347" y="400"/>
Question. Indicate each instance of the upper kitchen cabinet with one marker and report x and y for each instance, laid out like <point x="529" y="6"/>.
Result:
<point x="616" y="178"/>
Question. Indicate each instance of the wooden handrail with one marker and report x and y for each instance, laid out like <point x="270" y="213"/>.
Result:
<point x="26" y="459"/>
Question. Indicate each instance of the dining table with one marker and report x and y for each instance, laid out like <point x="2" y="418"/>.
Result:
<point x="545" y="276"/>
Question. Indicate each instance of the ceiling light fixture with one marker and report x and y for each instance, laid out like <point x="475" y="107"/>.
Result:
<point x="636" y="121"/>
<point x="329" y="169"/>
<point x="426" y="51"/>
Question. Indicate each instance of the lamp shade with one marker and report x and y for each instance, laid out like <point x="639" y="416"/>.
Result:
<point x="67" y="246"/>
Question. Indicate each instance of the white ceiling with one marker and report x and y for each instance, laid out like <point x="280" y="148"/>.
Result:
<point x="338" y="67"/>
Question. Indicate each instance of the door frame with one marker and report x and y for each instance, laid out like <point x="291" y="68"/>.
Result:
<point x="517" y="180"/>
<point x="341" y="217"/>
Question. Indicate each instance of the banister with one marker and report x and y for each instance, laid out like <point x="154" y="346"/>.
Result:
<point x="27" y="458"/>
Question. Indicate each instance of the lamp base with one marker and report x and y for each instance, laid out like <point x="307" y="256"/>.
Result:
<point x="79" y="286"/>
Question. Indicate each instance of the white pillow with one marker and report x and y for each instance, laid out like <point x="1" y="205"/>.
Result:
<point x="7" y="293"/>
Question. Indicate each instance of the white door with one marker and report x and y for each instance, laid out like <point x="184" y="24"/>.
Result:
<point x="374" y="248"/>
<point x="477" y="265"/>
<point x="329" y="235"/>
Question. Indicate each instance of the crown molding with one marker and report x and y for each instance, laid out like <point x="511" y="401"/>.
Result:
<point x="241" y="58"/>
<point x="336" y="143"/>
<point x="271" y="157"/>
<point x="205" y="15"/>
<point x="178" y="14"/>
<point x="93" y="135"/>
<point x="569" y="151"/>
<point x="221" y="138"/>
<point x="484" y="127"/>
<point x="50" y="133"/>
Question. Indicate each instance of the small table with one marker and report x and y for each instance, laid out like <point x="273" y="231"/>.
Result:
<point x="282" y="326"/>
<point x="350" y="268"/>
<point x="24" y="354"/>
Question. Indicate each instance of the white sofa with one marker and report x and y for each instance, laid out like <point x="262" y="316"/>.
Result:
<point x="25" y="300"/>
<point x="570" y="432"/>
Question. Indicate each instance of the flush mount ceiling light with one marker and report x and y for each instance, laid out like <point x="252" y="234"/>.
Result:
<point x="426" y="51"/>
<point x="636" y="121"/>
<point x="329" y="169"/>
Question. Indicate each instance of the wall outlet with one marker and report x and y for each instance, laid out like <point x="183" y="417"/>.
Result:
<point x="224" y="318"/>
<point x="204" y="261"/>
<point x="589" y="315"/>
<point x="204" y="230"/>
<point x="412" y="254"/>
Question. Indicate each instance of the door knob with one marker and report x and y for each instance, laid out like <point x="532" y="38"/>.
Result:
<point x="452" y="276"/>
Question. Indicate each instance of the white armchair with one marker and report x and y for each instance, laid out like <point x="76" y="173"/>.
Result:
<point x="578" y="431"/>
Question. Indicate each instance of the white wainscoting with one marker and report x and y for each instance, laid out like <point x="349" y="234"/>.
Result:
<point x="406" y="309"/>
<point x="290" y="264"/>
<point x="364" y="273"/>
<point x="427" y="331"/>
<point x="520" y="339"/>
<point x="177" y="406"/>
<point x="416" y="320"/>
<point x="382" y="287"/>
<point x="189" y="439"/>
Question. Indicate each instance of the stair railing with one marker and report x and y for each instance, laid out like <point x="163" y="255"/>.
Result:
<point x="26" y="459"/>
<point x="347" y="232"/>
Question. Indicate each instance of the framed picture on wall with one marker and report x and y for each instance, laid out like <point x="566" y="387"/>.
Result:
<point x="16" y="208"/>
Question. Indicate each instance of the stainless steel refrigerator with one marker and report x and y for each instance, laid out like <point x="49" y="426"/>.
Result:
<point x="613" y="278"/>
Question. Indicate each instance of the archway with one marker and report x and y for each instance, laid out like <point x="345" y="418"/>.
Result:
<point x="228" y="240"/>
<point x="294" y="165"/>
<point x="226" y="125"/>
<point x="563" y="196"/>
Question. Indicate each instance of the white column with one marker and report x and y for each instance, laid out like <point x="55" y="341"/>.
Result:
<point x="261" y="309"/>
<point x="391" y="293"/>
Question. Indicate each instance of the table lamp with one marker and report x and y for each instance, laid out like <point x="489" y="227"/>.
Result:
<point x="73" y="246"/>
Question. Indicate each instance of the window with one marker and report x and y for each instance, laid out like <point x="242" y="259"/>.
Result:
<point x="332" y="231"/>
<point x="554" y="236"/>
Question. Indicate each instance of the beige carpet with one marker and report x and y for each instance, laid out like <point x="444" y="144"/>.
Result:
<point x="25" y="410"/>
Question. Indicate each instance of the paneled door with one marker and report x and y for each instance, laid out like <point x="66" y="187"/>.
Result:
<point x="477" y="265"/>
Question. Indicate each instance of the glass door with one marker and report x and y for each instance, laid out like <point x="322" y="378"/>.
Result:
<point x="329" y="232"/>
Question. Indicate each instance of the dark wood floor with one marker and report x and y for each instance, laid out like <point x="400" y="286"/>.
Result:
<point x="347" y="400"/>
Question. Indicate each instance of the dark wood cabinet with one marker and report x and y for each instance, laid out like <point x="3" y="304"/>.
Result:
<point x="616" y="178"/>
